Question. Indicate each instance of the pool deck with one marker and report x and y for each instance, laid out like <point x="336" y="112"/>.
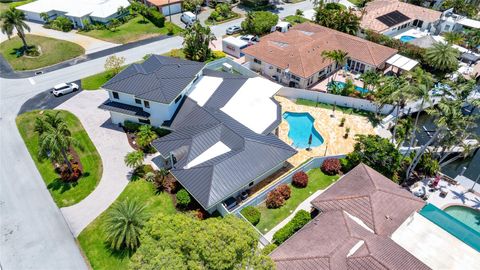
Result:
<point x="341" y="76"/>
<point x="328" y="127"/>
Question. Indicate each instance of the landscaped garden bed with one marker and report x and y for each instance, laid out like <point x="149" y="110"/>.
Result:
<point x="222" y="13"/>
<point x="85" y="161"/>
<point x="48" y="51"/>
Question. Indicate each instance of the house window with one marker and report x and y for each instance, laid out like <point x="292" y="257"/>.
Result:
<point x="251" y="184"/>
<point x="279" y="70"/>
<point x="115" y="95"/>
<point x="178" y="99"/>
<point x="295" y="78"/>
<point x="255" y="60"/>
<point x="144" y="121"/>
<point x="447" y="27"/>
<point x="146" y="104"/>
<point x="138" y="101"/>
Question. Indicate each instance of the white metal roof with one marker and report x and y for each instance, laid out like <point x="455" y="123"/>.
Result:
<point x="402" y="62"/>
<point x="77" y="8"/>
<point x="204" y="89"/>
<point x="469" y="22"/>
<point x="215" y="150"/>
<point x="235" y="41"/>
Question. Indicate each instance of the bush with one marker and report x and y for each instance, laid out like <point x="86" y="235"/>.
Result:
<point x="61" y="23"/>
<point x="345" y="164"/>
<point x="268" y="249"/>
<point x="259" y="22"/>
<point x="275" y="199"/>
<point x="331" y="166"/>
<point x="130" y="126"/>
<point x="214" y="16"/>
<point x="285" y="191"/>
<point x="72" y="176"/>
<point x="217" y="55"/>
<point x="157" y="18"/>
<point x="301" y="218"/>
<point x="300" y="179"/>
<point x="183" y="198"/>
<point x="251" y="214"/>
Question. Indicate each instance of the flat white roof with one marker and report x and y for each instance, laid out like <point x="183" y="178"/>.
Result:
<point x="469" y="22"/>
<point x="235" y="41"/>
<point x="77" y="8"/>
<point x="434" y="246"/>
<point x="204" y="89"/>
<point x="215" y="150"/>
<point x="252" y="105"/>
<point x="402" y="62"/>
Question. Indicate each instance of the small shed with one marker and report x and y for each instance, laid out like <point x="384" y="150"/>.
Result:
<point x="233" y="46"/>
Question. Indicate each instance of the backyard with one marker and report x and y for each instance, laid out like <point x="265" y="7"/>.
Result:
<point x="133" y="30"/>
<point x="317" y="180"/>
<point x="51" y="51"/>
<point x="63" y="193"/>
<point x="92" y="239"/>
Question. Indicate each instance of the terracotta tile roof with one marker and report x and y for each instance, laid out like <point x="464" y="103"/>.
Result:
<point x="160" y="3"/>
<point x="337" y="239"/>
<point x="377" y="8"/>
<point x="300" y="49"/>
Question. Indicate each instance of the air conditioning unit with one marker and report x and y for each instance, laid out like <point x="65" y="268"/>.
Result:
<point x="227" y="67"/>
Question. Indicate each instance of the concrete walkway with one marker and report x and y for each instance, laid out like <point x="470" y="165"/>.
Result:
<point x="90" y="44"/>
<point x="112" y="145"/>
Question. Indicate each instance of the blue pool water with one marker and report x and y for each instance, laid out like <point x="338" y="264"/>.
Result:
<point x="466" y="215"/>
<point x="341" y="85"/>
<point x="406" y="38"/>
<point x="301" y="127"/>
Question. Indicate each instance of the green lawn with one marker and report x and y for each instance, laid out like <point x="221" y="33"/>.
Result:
<point x="357" y="3"/>
<point x="270" y="217"/>
<point x="64" y="194"/>
<point x="92" y="238"/>
<point x="95" y="81"/>
<point x="293" y="19"/>
<point x="133" y="30"/>
<point x="6" y="4"/>
<point x="53" y="51"/>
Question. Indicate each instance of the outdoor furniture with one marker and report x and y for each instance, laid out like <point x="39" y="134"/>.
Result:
<point x="443" y="192"/>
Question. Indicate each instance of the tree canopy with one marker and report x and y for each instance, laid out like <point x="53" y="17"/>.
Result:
<point x="259" y="22"/>
<point x="189" y="243"/>
<point x="337" y="17"/>
<point x="196" y="42"/>
<point x="442" y="56"/>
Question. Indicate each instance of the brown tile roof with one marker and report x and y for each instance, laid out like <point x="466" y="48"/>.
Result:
<point x="300" y="49"/>
<point x="160" y="3"/>
<point x="334" y="240"/>
<point x="377" y="8"/>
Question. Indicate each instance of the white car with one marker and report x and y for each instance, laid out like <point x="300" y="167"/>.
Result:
<point x="251" y="39"/>
<point x="233" y="29"/>
<point x="188" y="18"/>
<point x="64" y="88"/>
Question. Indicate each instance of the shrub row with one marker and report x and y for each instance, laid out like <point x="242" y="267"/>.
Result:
<point x="157" y="18"/>
<point x="278" y="196"/>
<point x="133" y="127"/>
<point x="301" y="218"/>
<point x="251" y="214"/>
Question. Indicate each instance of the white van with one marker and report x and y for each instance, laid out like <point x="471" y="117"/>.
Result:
<point x="188" y="18"/>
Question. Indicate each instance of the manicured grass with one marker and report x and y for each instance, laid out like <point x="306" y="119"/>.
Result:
<point x="133" y="30"/>
<point x="6" y="5"/>
<point x="94" y="82"/>
<point x="293" y="19"/>
<point x="178" y="53"/>
<point x="92" y="238"/>
<point x="64" y="194"/>
<point x="271" y="217"/>
<point x="53" y="51"/>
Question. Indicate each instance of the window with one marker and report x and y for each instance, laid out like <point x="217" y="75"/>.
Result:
<point x="279" y="70"/>
<point x="447" y="27"/>
<point x="295" y="78"/>
<point x="146" y="104"/>
<point x="255" y="60"/>
<point x="138" y="101"/>
<point x="178" y="99"/>
<point x="144" y="121"/>
<point x="251" y="184"/>
<point x="115" y="95"/>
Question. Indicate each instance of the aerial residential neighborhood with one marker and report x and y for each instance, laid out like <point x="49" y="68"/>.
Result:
<point x="242" y="134"/>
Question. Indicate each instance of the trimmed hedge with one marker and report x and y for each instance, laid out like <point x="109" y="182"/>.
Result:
<point x="252" y="214"/>
<point x="300" y="179"/>
<point x="183" y="198"/>
<point x="157" y="18"/>
<point x="301" y="218"/>
<point x="331" y="166"/>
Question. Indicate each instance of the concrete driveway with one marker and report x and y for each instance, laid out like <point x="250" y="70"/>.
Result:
<point x="90" y="45"/>
<point x="112" y="145"/>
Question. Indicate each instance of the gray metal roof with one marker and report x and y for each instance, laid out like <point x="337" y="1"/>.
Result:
<point x="159" y="78"/>
<point x="124" y="109"/>
<point x="198" y="128"/>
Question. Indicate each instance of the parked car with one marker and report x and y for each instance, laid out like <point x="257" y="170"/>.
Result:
<point x="64" y="88"/>
<point x="251" y="39"/>
<point x="233" y="29"/>
<point x="188" y="18"/>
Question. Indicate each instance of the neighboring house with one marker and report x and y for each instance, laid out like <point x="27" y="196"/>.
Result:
<point x="166" y="7"/>
<point x="358" y="214"/>
<point x="294" y="58"/>
<point x="457" y="23"/>
<point x="391" y="17"/>
<point x="100" y="11"/>
<point x="223" y="124"/>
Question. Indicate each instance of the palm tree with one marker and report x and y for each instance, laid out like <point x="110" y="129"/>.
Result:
<point x="54" y="138"/>
<point x="134" y="159"/>
<point x="442" y="56"/>
<point x="196" y="42"/>
<point x="370" y="79"/>
<point x="337" y="56"/>
<point x="123" y="225"/>
<point x="454" y="38"/>
<point x="473" y="38"/>
<point x="145" y="136"/>
<point x="14" y="19"/>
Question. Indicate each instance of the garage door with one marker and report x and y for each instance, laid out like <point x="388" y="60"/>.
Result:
<point x="174" y="8"/>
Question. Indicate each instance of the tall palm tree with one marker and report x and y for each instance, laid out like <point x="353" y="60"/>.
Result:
<point x="442" y="56"/>
<point x="145" y="136"/>
<point x="370" y="79"/>
<point x="55" y="138"/>
<point x="123" y="225"/>
<point x="454" y="38"/>
<point x="196" y="42"/>
<point x="337" y="56"/>
<point x="134" y="159"/>
<point x="472" y="38"/>
<point x="14" y="19"/>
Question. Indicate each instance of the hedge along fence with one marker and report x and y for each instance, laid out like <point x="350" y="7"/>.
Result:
<point x="315" y="162"/>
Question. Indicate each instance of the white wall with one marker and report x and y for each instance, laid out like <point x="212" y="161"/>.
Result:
<point x="118" y="118"/>
<point x="350" y="102"/>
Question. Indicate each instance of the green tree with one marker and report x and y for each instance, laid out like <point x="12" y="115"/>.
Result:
<point x="134" y="159"/>
<point x="191" y="5"/>
<point x="370" y="79"/>
<point x="259" y="22"/>
<point x="113" y="24"/>
<point x="299" y="12"/>
<point x="472" y="39"/>
<point x="145" y="136"/>
<point x="124" y="224"/>
<point x="196" y="41"/>
<point x="14" y="19"/>
<point x="183" y="198"/>
<point x="338" y="56"/>
<point x="454" y="38"/>
<point x="461" y="7"/>
<point x="139" y="8"/>
<point x="55" y="138"/>
<point x="189" y="243"/>
<point x="224" y="10"/>
<point x="62" y="23"/>
<point x="442" y="56"/>
<point x="334" y="16"/>
<point x="45" y="17"/>
<point x="114" y="64"/>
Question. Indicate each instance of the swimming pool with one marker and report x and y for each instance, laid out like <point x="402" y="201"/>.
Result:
<point x="341" y="85"/>
<point x="466" y="215"/>
<point x="407" y="38"/>
<point x="301" y="127"/>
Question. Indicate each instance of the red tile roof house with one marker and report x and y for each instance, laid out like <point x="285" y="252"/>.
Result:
<point x="358" y="215"/>
<point x="294" y="58"/>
